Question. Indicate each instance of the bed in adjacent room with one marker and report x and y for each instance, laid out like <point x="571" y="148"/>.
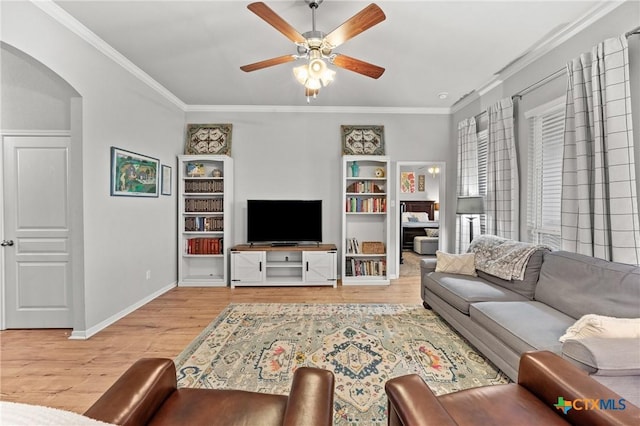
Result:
<point x="416" y="217"/>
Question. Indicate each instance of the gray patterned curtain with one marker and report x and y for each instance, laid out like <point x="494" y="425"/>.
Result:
<point x="503" y="188"/>
<point x="467" y="178"/>
<point x="599" y="200"/>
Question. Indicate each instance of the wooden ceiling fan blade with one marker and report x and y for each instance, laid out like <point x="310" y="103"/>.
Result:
<point x="273" y="19"/>
<point x="356" y="65"/>
<point x="268" y="63"/>
<point x="361" y="21"/>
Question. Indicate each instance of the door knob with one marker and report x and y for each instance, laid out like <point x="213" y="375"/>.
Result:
<point x="5" y="243"/>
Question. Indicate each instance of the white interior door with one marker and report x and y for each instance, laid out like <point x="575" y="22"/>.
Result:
<point x="36" y="240"/>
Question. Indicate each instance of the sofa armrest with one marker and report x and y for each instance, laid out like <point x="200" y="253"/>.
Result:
<point x="550" y="377"/>
<point x="411" y="402"/>
<point x="427" y="265"/>
<point x="311" y="398"/>
<point x="604" y="356"/>
<point x="136" y="396"/>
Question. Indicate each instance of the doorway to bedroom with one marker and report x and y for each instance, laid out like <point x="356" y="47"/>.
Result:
<point x="418" y="222"/>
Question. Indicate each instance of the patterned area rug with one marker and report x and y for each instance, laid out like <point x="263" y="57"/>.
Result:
<point x="257" y="347"/>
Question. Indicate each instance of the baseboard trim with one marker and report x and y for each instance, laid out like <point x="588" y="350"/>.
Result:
<point x="85" y="334"/>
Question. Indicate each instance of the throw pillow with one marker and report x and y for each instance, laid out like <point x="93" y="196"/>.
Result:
<point x="463" y="264"/>
<point x="413" y="219"/>
<point x="432" y="232"/>
<point x="602" y="326"/>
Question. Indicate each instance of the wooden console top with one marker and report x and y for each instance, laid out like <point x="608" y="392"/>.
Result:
<point x="301" y="247"/>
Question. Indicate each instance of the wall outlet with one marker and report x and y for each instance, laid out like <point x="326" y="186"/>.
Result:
<point x="148" y="275"/>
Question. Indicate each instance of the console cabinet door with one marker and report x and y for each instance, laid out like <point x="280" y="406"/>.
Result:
<point x="247" y="267"/>
<point x="319" y="267"/>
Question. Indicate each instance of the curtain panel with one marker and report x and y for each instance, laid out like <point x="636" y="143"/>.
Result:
<point x="467" y="179"/>
<point x="503" y="187"/>
<point x="599" y="201"/>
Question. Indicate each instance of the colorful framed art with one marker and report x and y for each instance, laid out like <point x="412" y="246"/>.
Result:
<point x="407" y="182"/>
<point x="132" y="174"/>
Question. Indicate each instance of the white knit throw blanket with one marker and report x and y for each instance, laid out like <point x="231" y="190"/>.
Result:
<point x="503" y="258"/>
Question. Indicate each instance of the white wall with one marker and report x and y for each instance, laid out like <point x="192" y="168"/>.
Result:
<point x="123" y="236"/>
<point x="276" y="154"/>
<point x="431" y="183"/>
<point x="619" y="21"/>
<point x="298" y="155"/>
<point x="33" y="97"/>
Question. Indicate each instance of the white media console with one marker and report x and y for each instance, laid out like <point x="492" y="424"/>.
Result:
<point x="302" y="265"/>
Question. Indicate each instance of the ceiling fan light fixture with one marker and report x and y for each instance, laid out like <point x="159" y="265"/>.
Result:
<point x="328" y="76"/>
<point x="317" y="68"/>
<point x="313" y="84"/>
<point x="316" y="47"/>
<point x="301" y="73"/>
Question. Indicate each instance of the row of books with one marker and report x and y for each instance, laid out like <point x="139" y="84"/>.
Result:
<point x="364" y="187"/>
<point x="357" y="268"/>
<point x="198" y="186"/>
<point x="204" y="205"/>
<point x="204" y="223"/>
<point x="353" y="246"/>
<point x="366" y="205"/>
<point x="203" y="246"/>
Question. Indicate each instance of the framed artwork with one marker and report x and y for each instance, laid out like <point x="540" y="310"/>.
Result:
<point x="362" y="140"/>
<point x="208" y="139"/>
<point x="166" y="180"/>
<point x="132" y="174"/>
<point x="407" y="182"/>
<point x="420" y="183"/>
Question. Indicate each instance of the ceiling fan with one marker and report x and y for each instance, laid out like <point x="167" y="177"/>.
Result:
<point x="316" y="46"/>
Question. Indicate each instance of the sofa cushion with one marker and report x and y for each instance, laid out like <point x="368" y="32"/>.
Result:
<point x="578" y="285"/>
<point x="526" y="286"/>
<point x="523" y="326"/>
<point x="456" y="263"/>
<point x="462" y="290"/>
<point x="604" y="356"/>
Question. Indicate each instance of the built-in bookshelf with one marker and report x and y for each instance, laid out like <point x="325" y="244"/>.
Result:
<point x="365" y="220"/>
<point x="205" y="189"/>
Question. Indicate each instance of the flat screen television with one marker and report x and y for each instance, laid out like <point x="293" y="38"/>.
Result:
<point x="284" y="221"/>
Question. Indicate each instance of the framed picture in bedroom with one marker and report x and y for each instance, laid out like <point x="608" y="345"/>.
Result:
<point x="133" y="174"/>
<point x="208" y="139"/>
<point x="362" y="140"/>
<point x="407" y="182"/>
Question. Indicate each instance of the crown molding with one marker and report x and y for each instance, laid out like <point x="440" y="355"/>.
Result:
<point x="39" y="133"/>
<point x="318" y="109"/>
<point x="69" y="22"/>
<point x="571" y="30"/>
<point x="73" y="25"/>
<point x="465" y="101"/>
<point x="590" y="17"/>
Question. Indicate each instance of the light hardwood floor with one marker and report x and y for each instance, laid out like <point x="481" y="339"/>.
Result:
<point x="45" y="367"/>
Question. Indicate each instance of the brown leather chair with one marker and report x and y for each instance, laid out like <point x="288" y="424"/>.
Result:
<point x="543" y="378"/>
<point x="147" y="394"/>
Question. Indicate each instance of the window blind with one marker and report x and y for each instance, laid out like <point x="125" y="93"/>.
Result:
<point x="483" y="151"/>
<point x="546" y="130"/>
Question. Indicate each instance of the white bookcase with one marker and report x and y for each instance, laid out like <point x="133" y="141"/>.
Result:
<point x="365" y="220"/>
<point x="205" y="190"/>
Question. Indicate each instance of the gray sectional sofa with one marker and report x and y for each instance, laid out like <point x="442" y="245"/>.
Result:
<point x="505" y="318"/>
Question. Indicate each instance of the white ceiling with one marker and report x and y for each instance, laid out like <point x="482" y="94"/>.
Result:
<point x="195" y="49"/>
